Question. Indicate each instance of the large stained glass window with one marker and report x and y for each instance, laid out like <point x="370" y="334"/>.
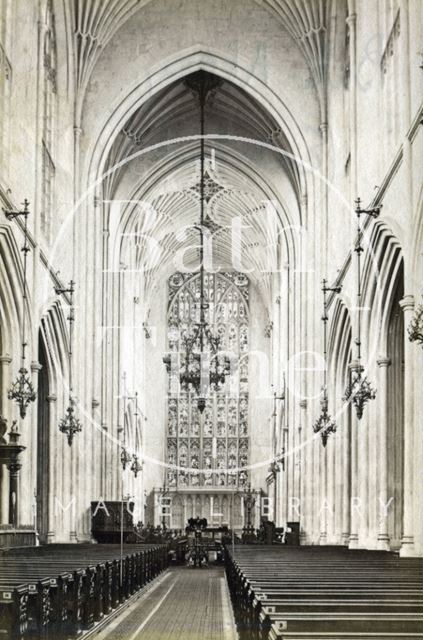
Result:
<point x="210" y="449"/>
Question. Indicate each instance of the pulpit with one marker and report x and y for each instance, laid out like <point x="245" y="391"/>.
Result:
<point x="13" y="534"/>
<point x="109" y="519"/>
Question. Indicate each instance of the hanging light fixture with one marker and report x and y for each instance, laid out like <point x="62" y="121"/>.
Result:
<point x="125" y="458"/>
<point x="324" y="424"/>
<point x="70" y="425"/>
<point x="22" y="390"/>
<point x="203" y="367"/>
<point x="136" y="465"/>
<point x="359" y="390"/>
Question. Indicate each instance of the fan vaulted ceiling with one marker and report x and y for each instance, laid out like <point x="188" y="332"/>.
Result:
<point x="230" y="111"/>
<point x="95" y="23"/>
<point x="237" y="185"/>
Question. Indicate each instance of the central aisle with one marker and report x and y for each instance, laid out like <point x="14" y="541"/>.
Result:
<point x="184" y="604"/>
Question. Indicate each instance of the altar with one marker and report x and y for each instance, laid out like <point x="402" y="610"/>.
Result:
<point x="220" y="506"/>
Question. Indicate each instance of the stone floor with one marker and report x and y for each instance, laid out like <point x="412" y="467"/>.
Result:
<point x="185" y="604"/>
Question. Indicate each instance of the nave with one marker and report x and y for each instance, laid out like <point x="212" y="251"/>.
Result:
<point x="222" y="140"/>
<point x="211" y="279"/>
<point x="261" y="592"/>
<point x="186" y="604"/>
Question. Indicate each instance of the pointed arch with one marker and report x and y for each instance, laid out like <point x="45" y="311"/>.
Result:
<point x="339" y="343"/>
<point x="11" y="310"/>
<point x="177" y="67"/>
<point x="383" y="264"/>
<point x="55" y="334"/>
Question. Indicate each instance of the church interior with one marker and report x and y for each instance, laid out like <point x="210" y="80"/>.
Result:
<point x="211" y="319"/>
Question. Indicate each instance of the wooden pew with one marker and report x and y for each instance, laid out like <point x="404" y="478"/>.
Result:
<point x="327" y="626"/>
<point x="13" y="608"/>
<point x="279" y="593"/>
<point x="60" y="590"/>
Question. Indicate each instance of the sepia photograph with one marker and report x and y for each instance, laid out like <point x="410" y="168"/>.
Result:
<point x="211" y="319"/>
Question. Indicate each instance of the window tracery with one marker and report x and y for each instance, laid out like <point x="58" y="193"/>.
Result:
<point x="213" y="447"/>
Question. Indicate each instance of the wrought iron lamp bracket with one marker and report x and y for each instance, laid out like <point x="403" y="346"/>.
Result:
<point x="22" y="390"/>
<point x="324" y="424"/>
<point x="125" y="457"/>
<point x="11" y="215"/>
<point x="136" y="465"/>
<point x="359" y="391"/>
<point x="70" y="425"/>
<point x="374" y="212"/>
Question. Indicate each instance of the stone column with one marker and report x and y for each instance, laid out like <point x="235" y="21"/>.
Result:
<point x="346" y="474"/>
<point x="4" y="412"/>
<point x="4" y="495"/>
<point x="14" y="469"/>
<point x="156" y="507"/>
<point x="354" y="516"/>
<point x="257" y="508"/>
<point x="184" y="511"/>
<point x="305" y="487"/>
<point x="407" y="303"/>
<point x="275" y="496"/>
<point x="407" y="542"/>
<point x="352" y="25"/>
<point x="4" y="366"/>
<point x="404" y="49"/>
<point x="323" y="465"/>
<point x="96" y="449"/>
<point x="383" y="534"/>
<point x="30" y="455"/>
<point x="53" y="479"/>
